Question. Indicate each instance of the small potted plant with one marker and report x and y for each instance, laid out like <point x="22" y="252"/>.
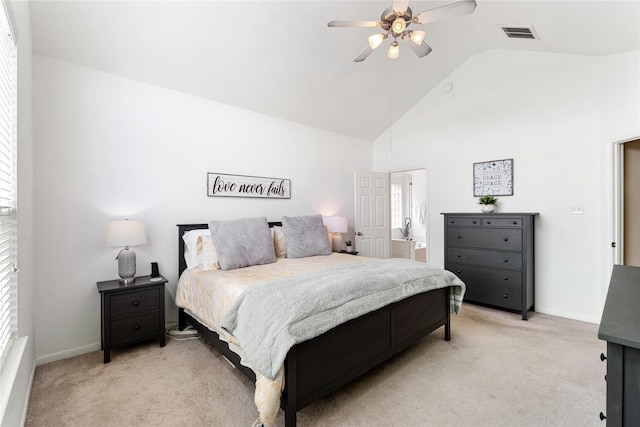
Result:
<point x="347" y="245"/>
<point x="488" y="203"/>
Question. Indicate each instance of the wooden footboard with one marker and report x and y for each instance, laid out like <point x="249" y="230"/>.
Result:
<point x="322" y="365"/>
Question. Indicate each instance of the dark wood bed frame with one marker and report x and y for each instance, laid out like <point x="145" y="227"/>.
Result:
<point x="317" y="367"/>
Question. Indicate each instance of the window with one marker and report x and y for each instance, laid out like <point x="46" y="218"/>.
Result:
<point x="8" y="223"/>
<point x="396" y="206"/>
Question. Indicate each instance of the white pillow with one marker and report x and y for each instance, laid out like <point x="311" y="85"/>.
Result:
<point x="190" y="246"/>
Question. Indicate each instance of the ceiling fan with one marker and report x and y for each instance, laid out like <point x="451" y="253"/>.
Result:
<point x="395" y="20"/>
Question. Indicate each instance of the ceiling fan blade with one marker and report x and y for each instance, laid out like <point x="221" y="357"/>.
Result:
<point x="421" y="50"/>
<point x="362" y="24"/>
<point x="363" y="55"/>
<point x="463" y="7"/>
<point x="400" y="6"/>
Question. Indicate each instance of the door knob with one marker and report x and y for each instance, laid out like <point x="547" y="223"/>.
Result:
<point x="359" y="233"/>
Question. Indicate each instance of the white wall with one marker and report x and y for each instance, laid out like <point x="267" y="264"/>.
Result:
<point x="545" y="111"/>
<point x="110" y="148"/>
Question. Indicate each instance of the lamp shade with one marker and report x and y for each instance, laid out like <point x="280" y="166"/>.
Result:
<point x="127" y="232"/>
<point x="336" y="224"/>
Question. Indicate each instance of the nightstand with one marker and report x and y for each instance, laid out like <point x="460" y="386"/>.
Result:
<point x="131" y="313"/>
<point x="350" y="253"/>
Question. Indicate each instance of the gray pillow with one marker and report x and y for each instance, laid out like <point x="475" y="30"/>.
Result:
<point x="242" y="242"/>
<point x="305" y="236"/>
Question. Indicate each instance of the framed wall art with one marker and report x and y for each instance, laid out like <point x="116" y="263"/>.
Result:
<point x="225" y="185"/>
<point x="493" y="178"/>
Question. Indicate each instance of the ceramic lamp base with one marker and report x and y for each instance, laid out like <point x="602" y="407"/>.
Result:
<point x="127" y="265"/>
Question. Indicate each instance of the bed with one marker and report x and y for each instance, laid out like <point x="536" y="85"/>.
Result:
<point x="318" y="366"/>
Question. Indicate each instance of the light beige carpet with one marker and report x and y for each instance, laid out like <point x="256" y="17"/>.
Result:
<point x="496" y="371"/>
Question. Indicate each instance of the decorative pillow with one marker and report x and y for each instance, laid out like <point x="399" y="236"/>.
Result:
<point x="190" y="246"/>
<point x="242" y="242"/>
<point x="305" y="236"/>
<point x="279" y="242"/>
<point x="206" y="254"/>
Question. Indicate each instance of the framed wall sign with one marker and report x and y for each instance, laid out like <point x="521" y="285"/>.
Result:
<point x="494" y="178"/>
<point x="225" y="185"/>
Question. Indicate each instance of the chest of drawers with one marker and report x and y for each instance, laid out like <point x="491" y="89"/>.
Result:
<point x="493" y="254"/>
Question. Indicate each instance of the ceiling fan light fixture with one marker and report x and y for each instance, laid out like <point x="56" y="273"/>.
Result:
<point x="398" y="25"/>
<point x="376" y="40"/>
<point x="417" y="36"/>
<point x="394" y="50"/>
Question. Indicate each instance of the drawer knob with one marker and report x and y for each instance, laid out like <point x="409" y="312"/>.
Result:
<point x="452" y="221"/>
<point x="474" y="221"/>
<point x="506" y="239"/>
<point x="136" y="303"/>
<point x="136" y="327"/>
<point x="602" y="417"/>
<point x="603" y="357"/>
<point x="506" y="260"/>
<point x="488" y="222"/>
<point x="515" y="222"/>
<point x="505" y="296"/>
<point x="458" y="271"/>
<point x="459" y="236"/>
<point x="506" y="278"/>
<point x="459" y="255"/>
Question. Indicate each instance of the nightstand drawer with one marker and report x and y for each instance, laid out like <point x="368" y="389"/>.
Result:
<point x="494" y="295"/>
<point x="501" y="239"/>
<point x="134" y="303"/>
<point x="494" y="259"/>
<point x="467" y="273"/>
<point x="134" y="328"/>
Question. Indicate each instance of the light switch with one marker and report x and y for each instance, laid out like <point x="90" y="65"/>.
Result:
<point x="576" y="209"/>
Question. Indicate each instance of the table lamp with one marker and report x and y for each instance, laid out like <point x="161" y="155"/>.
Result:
<point x="126" y="233"/>
<point x="335" y="226"/>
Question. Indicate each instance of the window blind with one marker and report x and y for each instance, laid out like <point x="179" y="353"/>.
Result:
<point x="8" y="196"/>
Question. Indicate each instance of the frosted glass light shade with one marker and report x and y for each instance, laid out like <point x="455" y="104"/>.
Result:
<point x="394" y="51"/>
<point x="417" y="36"/>
<point x="127" y="232"/>
<point x="375" y="40"/>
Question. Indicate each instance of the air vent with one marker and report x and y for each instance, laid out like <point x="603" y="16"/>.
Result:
<point x="520" y="32"/>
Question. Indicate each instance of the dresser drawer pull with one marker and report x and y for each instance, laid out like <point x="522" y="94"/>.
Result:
<point x="136" y="303"/>
<point x="603" y="357"/>
<point x="506" y="260"/>
<point x="506" y="239"/>
<point x="459" y="236"/>
<point x="474" y="222"/>
<point x="452" y="221"/>
<point x="515" y="222"/>
<point x="458" y="271"/>
<point x="136" y="327"/>
<point x="602" y="417"/>
<point x="459" y="255"/>
<point x="505" y="296"/>
<point x="488" y="222"/>
<point x="506" y="278"/>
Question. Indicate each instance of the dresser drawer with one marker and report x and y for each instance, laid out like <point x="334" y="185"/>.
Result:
<point x="464" y="221"/>
<point x="501" y="238"/>
<point x="468" y="273"/>
<point x="492" y="259"/>
<point x="134" y="328"/>
<point x="503" y="222"/>
<point x="134" y="303"/>
<point x="494" y="295"/>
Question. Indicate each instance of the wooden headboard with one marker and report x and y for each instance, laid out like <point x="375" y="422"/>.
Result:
<point x="183" y="228"/>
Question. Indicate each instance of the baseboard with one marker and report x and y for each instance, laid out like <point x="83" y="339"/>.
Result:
<point x="43" y="360"/>
<point x="568" y="315"/>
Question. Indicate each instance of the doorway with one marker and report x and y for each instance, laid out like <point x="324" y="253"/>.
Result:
<point x="408" y="207"/>
<point x="627" y="202"/>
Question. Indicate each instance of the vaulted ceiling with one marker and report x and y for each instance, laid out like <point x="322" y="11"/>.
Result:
<point x="279" y="57"/>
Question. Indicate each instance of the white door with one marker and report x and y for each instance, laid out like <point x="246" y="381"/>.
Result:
<point x="372" y="223"/>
